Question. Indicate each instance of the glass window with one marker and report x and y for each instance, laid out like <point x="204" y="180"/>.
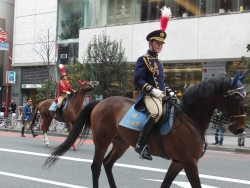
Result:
<point x="94" y="13"/>
<point x="69" y="18"/>
<point x="120" y="11"/>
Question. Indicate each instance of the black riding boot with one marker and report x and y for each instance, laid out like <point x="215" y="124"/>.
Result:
<point x="33" y="133"/>
<point x="56" y="114"/>
<point x="141" y="145"/>
<point x="22" y="135"/>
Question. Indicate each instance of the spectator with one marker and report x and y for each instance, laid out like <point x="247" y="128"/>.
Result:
<point x="241" y="138"/>
<point x="3" y="106"/>
<point x="12" y="108"/>
<point x="219" y="130"/>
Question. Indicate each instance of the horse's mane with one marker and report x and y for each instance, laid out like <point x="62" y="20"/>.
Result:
<point x="206" y="89"/>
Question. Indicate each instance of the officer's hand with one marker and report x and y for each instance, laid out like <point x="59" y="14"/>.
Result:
<point x="68" y="92"/>
<point x="157" y="93"/>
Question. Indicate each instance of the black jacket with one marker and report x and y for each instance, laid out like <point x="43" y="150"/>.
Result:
<point x="13" y="107"/>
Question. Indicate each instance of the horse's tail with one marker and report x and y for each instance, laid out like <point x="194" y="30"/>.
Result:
<point x="82" y="124"/>
<point x="34" y="116"/>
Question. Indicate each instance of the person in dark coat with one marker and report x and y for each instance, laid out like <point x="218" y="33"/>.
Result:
<point x="27" y="117"/>
<point x="149" y="78"/>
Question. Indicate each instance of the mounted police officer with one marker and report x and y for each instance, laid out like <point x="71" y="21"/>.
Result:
<point x="63" y="89"/>
<point x="27" y="117"/>
<point x="149" y="78"/>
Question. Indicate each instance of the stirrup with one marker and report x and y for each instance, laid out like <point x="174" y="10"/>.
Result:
<point x="142" y="151"/>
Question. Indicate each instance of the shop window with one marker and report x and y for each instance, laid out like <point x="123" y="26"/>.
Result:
<point x="69" y="19"/>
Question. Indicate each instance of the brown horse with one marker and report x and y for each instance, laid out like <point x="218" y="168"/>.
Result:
<point x="68" y="115"/>
<point x="184" y="144"/>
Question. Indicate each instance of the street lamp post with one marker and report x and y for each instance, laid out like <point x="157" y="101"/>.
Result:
<point x="4" y="35"/>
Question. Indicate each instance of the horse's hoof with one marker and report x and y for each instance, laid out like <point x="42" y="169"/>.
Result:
<point x="75" y="148"/>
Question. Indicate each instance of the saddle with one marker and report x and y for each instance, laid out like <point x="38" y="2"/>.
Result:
<point x="167" y="103"/>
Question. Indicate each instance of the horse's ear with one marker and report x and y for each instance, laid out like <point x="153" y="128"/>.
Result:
<point x="235" y="79"/>
<point x="80" y="82"/>
<point x="243" y="76"/>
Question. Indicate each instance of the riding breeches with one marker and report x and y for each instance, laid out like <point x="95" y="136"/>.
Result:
<point x="26" y="124"/>
<point x="60" y="99"/>
<point x="154" y="106"/>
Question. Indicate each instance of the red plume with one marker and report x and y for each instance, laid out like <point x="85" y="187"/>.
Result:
<point x="61" y="68"/>
<point x="80" y="82"/>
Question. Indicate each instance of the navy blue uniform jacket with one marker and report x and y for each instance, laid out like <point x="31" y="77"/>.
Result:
<point x="148" y="74"/>
<point x="27" y="113"/>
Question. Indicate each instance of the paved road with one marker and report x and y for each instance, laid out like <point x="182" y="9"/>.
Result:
<point x="22" y="159"/>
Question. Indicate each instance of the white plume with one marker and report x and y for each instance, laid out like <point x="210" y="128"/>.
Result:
<point x="166" y="12"/>
<point x="61" y="66"/>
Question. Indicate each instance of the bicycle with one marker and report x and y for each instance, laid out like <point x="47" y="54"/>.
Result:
<point x="9" y="122"/>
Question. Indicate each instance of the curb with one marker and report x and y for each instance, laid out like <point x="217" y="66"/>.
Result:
<point x="245" y="150"/>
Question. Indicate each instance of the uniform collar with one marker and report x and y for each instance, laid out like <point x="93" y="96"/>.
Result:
<point x="153" y="54"/>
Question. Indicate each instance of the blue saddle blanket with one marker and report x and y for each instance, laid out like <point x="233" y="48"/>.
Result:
<point x="135" y="120"/>
<point x="53" y="106"/>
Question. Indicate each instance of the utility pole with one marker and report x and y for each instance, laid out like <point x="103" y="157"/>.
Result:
<point x="4" y="36"/>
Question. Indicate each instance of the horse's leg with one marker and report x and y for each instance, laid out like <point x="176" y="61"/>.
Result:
<point x="46" y="124"/>
<point x="173" y="170"/>
<point x="119" y="148"/>
<point x="97" y="163"/>
<point x="191" y="170"/>
<point x="69" y="127"/>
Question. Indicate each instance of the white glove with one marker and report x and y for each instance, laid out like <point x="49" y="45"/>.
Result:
<point x="68" y="92"/>
<point x="157" y="93"/>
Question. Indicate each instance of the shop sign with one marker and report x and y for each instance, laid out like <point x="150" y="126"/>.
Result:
<point x="4" y="46"/>
<point x="29" y="86"/>
<point x="213" y="64"/>
<point x="11" y="77"/>
<point x="210" y="72"/>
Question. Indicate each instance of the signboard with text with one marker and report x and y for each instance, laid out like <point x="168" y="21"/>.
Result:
<point x="4" y="46"/>
<point x="12" y="77"/>
<point x="213" y="69"/>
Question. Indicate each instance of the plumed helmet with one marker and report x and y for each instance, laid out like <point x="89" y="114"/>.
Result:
<point x="63" y="73"/>
<point x="160" y="35"/>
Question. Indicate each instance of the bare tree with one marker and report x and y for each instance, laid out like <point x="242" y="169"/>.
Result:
<point x="45" y="50"/>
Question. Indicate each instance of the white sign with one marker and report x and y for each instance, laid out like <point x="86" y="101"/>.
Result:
<point x="4" y="46"/>
<point x="27" y="86"/>
<point x="213" y="64"/>
<point x="209" y="72"/>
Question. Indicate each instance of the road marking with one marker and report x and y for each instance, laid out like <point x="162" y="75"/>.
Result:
<point x="128" y="166"/>
<point x="40" y="180"/>
<point x="182" y="184"/>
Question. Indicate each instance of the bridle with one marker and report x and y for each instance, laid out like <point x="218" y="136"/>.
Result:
<point x="243" y="95"/>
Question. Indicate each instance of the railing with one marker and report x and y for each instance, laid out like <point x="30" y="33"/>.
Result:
<point x="13" y="123"/>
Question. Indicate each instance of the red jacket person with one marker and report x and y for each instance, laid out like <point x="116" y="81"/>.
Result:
<point x="63" y="89"/>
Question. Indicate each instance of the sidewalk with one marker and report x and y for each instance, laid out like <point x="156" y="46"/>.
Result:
<point x="230" y="143"/>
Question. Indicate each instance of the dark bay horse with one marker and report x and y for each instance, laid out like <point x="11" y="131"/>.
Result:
<point x="68" y="115"/>
<point x="184" y="144"/>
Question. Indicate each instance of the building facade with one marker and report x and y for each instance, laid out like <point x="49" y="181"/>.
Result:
<point x="205" y="38"/>
<point x="6" y="23"/>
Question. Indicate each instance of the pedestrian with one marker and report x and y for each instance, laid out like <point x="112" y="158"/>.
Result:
<point x="63" y="89"/>
<point x="12" y="108"/>
<point x="149" y="78"/>
<point x="241" y="138"/>
<point x="219" y="129"/>
<point x="27" y="117"/>
<point x="3" y="107"/>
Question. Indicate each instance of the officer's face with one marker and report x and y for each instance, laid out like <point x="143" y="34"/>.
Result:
<point x="156" y="46"/>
